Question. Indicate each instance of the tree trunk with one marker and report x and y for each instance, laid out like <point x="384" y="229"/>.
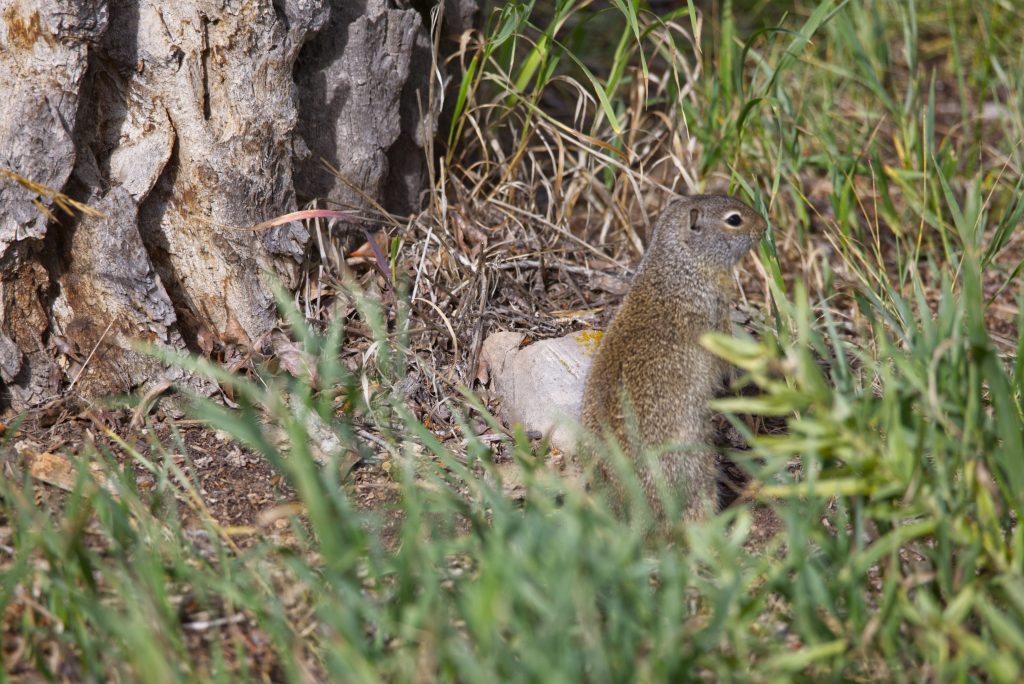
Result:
<point x="182" y="123"/>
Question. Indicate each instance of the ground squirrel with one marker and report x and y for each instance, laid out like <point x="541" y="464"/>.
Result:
<point x="651" y="380"/>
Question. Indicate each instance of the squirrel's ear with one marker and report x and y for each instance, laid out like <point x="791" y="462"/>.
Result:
<point x="694" y="215"/>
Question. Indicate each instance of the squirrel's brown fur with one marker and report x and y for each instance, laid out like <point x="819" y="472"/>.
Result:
<point x="651" y="380"/>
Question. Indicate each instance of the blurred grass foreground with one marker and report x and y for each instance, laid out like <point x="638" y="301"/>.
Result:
<point x="882" y="139"/>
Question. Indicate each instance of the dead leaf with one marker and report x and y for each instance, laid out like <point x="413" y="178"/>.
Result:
<point x="269" y="516"/>
<point x="59" y="471"/>
<point x="470" y="239"/>
<point x="366" y="251"/>
<point x="293" y="358"/>
<point x="205" y="339"/>
<point x="607" y="282"/>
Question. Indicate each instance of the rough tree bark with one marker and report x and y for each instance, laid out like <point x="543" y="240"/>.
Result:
<point x="182" y="122"/>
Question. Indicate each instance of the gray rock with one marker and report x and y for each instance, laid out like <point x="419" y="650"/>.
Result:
<point x="541" y="385"/>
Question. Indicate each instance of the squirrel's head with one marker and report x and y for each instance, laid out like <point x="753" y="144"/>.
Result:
<point x="715" y="229"/>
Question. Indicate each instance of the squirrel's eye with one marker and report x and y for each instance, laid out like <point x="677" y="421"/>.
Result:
<point x="734" y="219"/>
